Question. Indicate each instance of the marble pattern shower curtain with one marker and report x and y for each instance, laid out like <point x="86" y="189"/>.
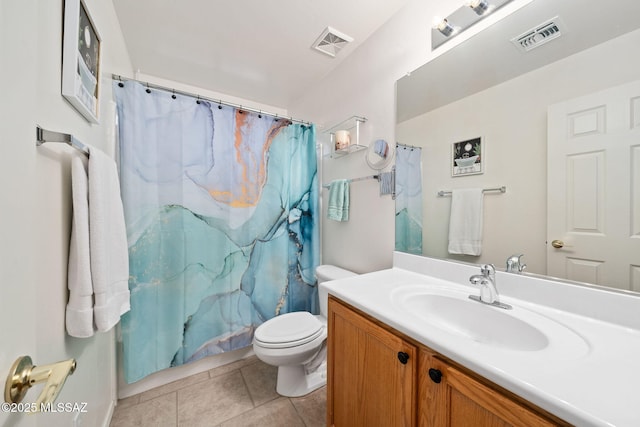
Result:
<point x="408" y="199"/>
<point x="221" y="212"/>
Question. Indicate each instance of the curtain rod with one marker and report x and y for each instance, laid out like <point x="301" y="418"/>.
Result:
<point x="405" y="146"/>
<point x="204" y="98"/>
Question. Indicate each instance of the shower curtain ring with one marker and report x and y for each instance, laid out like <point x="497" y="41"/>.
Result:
<point x="174" y="95"/>
<point x="120" y="84"/>
<point x="148" y="90"/>
<point x="198" y="100"/>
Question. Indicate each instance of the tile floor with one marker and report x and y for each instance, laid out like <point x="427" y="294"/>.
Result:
<point x="240" y="394"/>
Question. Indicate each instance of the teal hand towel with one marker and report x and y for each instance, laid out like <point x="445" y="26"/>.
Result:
<point x="338" y="206"/>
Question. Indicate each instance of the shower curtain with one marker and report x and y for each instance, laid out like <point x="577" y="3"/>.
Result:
<point x="221" y="212"/>
<point x="408" y="199"/>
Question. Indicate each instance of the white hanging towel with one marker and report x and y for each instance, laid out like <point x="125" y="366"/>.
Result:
<point x="108" y="242"/>
<point x="79" y="317"/>
<point x="465" y="223"/>
<point x="98" y="271"/>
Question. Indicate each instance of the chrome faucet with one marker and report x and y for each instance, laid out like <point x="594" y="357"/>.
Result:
<point x="488" y="291"/>
<point x="487" y="282"/>
<point x="515" y="265"/>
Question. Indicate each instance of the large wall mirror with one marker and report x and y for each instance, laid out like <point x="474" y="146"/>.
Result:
<point x="580" y="88"/>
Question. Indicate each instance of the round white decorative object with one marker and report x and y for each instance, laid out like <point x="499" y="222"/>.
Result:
<point x="380" y="154"/>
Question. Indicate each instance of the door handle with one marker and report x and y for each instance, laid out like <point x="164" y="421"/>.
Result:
<point x="559" y="244"/>
<point x="24" y="374"/>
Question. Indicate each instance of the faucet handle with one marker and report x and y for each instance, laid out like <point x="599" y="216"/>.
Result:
<point x="515" y="265"/>
<point x="521" y="266"/>
<point x="488" y="270"/>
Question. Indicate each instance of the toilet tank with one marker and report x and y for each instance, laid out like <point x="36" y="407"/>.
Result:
<point x="325" y="273"/>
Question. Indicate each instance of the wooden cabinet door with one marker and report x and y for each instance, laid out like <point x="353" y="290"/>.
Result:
<point x="368" y="384"/>
<point x="459" y="400"/>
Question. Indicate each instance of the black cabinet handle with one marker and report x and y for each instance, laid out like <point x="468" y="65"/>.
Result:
<point x="403" y="357"/>
<point x="435" y="375"/>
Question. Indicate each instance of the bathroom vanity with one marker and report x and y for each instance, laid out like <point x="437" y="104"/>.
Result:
<point x="408" y="347"/>
<point x="400" y="382"/>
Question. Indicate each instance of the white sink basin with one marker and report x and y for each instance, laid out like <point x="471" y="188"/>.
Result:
<point x="476" y="321"/>
<point x="452" y="311"/>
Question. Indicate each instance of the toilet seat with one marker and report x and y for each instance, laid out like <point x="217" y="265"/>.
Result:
<point x="289" y="330"/>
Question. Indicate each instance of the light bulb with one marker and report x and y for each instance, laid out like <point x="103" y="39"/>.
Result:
<point x="443" y="26"/>
<point x="480" y="7"/>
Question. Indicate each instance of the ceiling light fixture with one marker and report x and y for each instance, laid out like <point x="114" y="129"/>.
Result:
<point x="479" y="6"/>
<point x="464" y="17"/>
<point x="443" y="26"/>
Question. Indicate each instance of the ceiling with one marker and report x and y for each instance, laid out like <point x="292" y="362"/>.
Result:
<point x="253" y="49"/>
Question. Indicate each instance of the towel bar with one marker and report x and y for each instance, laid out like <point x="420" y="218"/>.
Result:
<point x="502" y="189"/>
<point x="43" y="135"/>
<point x="356" y="179"/>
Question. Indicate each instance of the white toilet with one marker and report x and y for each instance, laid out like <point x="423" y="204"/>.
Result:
<point x="295" y="342"/>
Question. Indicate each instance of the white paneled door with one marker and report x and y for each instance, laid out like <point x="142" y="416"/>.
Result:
<point x="593" y="197"/>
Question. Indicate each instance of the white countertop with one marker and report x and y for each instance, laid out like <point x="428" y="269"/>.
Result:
<point x="588" y="375"/>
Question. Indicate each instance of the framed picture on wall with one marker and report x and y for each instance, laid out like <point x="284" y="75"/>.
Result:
<point x="467" y="157"/>
<point x="81" y="60"/>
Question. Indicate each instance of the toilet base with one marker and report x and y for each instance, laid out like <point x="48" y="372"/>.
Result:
<point x="293" y="381"/>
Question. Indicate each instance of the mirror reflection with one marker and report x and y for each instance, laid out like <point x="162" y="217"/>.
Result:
<point x="560" y="129"/>
<point x="379" y="154"/>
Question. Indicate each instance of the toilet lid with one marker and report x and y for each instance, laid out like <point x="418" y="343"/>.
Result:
<point x="288" y="330"/>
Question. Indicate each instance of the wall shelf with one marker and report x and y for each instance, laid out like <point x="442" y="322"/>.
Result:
<point x="349" y="150"/>
<point x="349" y="124"/>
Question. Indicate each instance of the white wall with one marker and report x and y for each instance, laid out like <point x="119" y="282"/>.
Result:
<point x="35" y="204"/>
<point x="364" y="85"/>
<point x="512" y="118"/>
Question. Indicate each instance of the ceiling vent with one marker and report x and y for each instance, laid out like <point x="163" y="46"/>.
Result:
<point x="331" y="41"/>
<point x="541" y="34"/>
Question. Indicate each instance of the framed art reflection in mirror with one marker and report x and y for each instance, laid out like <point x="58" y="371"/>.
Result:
<point x="467" y="157"/>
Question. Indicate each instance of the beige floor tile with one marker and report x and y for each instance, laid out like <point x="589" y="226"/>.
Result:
<point x="312" y="408"/>
<point x="277" y="413"/>
<point x="174" y="386"/>
<point x="214" y="401"/>
<point x="160" y="412"/>
<point x="261" y="381"/>
<point x="224" y="369"/>
<point x="128" y="401"/>
<point x="239" y="394"/>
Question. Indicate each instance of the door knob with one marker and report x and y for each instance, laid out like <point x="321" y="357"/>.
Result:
<point x="559" y="244"/>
